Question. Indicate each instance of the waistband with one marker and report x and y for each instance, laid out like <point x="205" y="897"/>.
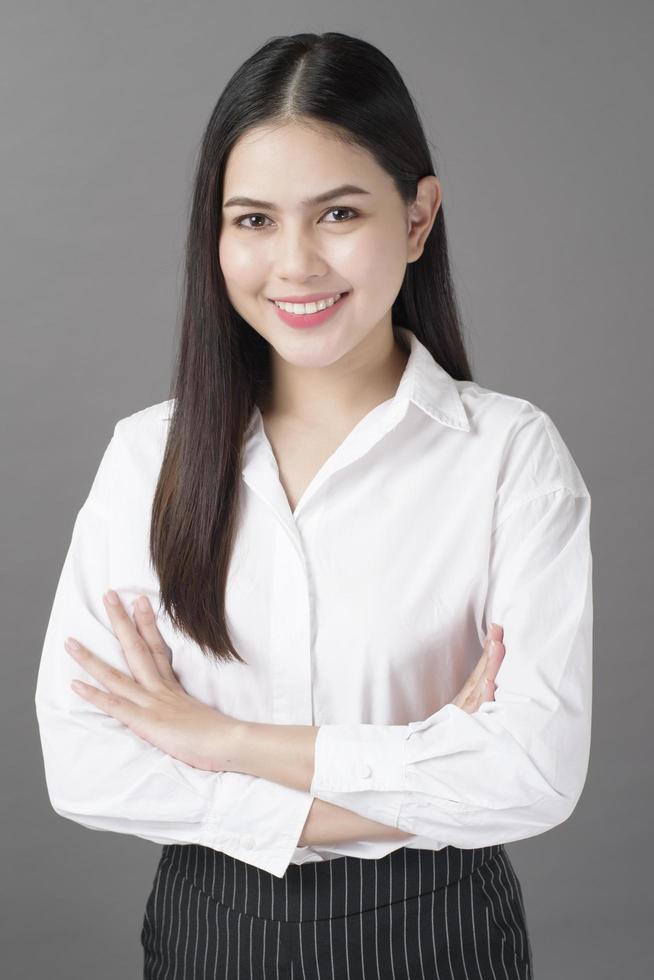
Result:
<point x="323" y="889"/>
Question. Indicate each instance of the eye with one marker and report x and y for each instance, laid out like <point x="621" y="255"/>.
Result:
<point x="238" y="222"/>
<point x="334" y="210"/>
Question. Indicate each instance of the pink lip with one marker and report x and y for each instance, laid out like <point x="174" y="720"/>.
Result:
<point x="300" y="320"/>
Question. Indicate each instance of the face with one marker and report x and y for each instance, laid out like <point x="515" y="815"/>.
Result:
<point x="350" y="243"/>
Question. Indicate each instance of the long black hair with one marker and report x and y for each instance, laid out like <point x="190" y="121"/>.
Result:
<point x="328" y="80"/>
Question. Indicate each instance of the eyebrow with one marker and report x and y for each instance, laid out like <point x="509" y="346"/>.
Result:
<point x="345" y="190"/>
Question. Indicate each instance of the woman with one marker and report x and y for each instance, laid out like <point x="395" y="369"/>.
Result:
<point x="325" y="522"/>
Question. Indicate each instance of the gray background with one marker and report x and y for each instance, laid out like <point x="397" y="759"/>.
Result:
<point x="537" y="116"/>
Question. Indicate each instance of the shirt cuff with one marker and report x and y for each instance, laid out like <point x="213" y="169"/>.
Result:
<point x="359" y="758"/>
<point x="255" y="820"/>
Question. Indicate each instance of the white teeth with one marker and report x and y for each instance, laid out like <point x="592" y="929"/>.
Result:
<point x="301" y="308"/>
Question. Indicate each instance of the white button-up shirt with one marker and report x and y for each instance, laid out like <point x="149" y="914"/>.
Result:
<point x="363" y="611"/>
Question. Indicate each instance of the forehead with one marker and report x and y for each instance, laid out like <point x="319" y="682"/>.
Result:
<point x="291" y="161"/>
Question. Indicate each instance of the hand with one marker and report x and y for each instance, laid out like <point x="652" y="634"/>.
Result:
<point x="152" y="702"/>
<point x="481" y="685"/>
<point x="327" y="823"/>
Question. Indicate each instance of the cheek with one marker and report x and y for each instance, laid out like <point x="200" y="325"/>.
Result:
<point x="377" y="264"/>
<point x="235" y="260"/>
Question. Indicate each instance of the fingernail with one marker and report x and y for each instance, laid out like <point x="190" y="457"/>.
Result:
<point x="142" y="603"/>
<point x="496" y="646"/>
<point x="112" y="597"/>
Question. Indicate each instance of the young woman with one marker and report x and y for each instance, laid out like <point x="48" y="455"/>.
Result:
<point x="325" y="523"/>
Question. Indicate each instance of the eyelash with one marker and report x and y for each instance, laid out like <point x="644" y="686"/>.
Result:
<point x="237" y="221"/>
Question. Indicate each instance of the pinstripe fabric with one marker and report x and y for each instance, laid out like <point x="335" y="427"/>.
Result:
<point x="413" y="914"/>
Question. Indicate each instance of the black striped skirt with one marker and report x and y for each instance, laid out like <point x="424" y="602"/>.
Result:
<point x="413" y="914"/>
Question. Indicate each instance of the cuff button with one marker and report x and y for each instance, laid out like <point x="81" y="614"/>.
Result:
<point x="365" y="770"/>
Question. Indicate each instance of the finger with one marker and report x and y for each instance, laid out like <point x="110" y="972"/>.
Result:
<point x="473" y="700"/>
<point x="488" y="689"/>
<point x="146" y="624"/>
<point x="495" y="632"/>
<point x="136" y="650"/>
<point x="496" y="653"/>
<point x="487" y="668"/>
<point x="487" y="683"/>
<point x="480" y="667"/>
<point x="485" y="691"/>
<point x="487" y="680"/>
<point x="120" y="708"/>
<point x="117" y="683"/>
<point x="473" y="680"/>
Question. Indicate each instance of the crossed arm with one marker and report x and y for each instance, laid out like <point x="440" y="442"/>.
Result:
<point x="285" y="754"/>
<point x="155" y="706"/>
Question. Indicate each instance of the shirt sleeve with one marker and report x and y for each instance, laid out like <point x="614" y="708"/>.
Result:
<point x="516" y="767"/>
<point x="101" y="774"/>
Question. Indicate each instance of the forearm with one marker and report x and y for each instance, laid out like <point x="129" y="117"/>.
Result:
<point x="285" y="754"/>
<point x="331" y="824"/>
<point x="280" y="753"/>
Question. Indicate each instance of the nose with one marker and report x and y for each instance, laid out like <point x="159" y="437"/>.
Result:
<point x="297" y="256"/>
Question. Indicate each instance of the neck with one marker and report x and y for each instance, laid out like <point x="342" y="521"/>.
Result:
<point x="356" y="383"/>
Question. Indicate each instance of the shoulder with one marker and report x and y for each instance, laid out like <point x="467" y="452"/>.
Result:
<point x="530" y="453"/>
<point x="149" y="423"/>
<point x="131" y="461"/>
<point x="141" y="436"/>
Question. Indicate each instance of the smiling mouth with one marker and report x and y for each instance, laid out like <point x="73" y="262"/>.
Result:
<point x="308" y="320"/>
<point x="309" y="303"/>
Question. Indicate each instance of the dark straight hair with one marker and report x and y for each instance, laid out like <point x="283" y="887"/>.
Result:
<point x="348" y="86"/>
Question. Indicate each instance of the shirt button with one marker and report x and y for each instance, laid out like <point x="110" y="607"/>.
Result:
<point x="365" y="770"/>
<point x="247" y="841"/>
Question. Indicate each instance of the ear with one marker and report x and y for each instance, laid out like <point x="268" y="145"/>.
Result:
<point x="421" y="214"/>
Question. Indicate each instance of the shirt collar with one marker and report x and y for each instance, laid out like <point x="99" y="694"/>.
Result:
<point x="430" y="387"/>
<point x="425" y="383"/>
